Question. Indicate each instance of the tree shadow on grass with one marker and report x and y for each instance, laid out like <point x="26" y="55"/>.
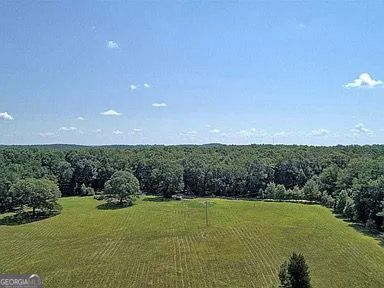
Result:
<point x="379" y="237"/>
<point x="25" y="218"/>
<point x="112" y="206"/>
<point x="359" y="227"/>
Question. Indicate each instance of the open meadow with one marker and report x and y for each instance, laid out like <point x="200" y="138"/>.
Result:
<point x="167" y="244"/>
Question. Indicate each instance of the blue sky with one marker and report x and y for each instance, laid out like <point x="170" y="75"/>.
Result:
<point x="191" y="72"/>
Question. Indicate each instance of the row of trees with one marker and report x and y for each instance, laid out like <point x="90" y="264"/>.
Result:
<point x="348" y="178"/>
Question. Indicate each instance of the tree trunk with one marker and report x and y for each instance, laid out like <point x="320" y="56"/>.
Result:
<point x="121" y="201"/>
<point x="33" y="212"/>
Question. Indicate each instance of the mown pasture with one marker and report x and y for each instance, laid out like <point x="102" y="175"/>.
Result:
<point x="167" y="244"/>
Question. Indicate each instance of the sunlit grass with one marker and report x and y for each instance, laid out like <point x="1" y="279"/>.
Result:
<point x="167" y="244"/>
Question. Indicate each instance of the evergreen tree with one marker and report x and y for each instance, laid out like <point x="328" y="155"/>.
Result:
<point x="294" y="273"/>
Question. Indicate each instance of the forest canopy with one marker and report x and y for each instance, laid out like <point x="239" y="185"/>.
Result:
<point x="349" y="179"/>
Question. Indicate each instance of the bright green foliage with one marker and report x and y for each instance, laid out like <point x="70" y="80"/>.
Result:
<point x="341" y="201"/>
<point x="349" y="208"/>
<point x="219" y="170"/>
<point x="123" y="187"/>
<point x="311" y="190"/>
<point x="167" y="244"/>
<point x="285" y="281"/>
<point x="280" y="192"/>
<point x="270" y="191"/>
<point x="36" y="193"/>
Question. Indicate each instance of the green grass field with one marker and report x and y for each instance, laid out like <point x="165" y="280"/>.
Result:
<point x="166" y="244"/>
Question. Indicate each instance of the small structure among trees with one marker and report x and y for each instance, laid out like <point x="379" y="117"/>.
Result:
<point x="294" y="273"/>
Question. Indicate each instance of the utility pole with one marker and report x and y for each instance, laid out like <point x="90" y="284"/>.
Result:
<point x="206" y="213"/>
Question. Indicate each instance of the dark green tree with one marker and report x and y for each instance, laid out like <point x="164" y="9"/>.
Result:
<point x="123" y="187"/>
<point x="294" y="273"/>
<point x="39" y="194"/>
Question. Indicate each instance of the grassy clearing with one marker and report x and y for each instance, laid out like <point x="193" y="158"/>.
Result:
<point x="166" y="244"/>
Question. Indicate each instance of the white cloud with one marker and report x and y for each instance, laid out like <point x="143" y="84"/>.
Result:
<point x="110" y="112"/>
<point x="146" y="85"/>
<point x="361" y="129"/>
<point x="5" y="116"/>
<point x="137" y="130"/>
<point x="283" y="134"/>
<point x="364" y="80"/>
<point x="133" y="87"/>
<point x="117" y="132"/>
<point x="215" y="131"/>
<point x="80" y="118"/>
<point x="112" y="45"/>
<point x="159" y="104"/>
<point x="97" y="131"/>
<point x="67" y="128"/>
<point x="320" y="132"/>
<point x="252" y="132"/>
<point x="46" y="134"/>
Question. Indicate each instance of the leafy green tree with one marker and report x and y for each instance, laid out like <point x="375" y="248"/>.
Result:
<point x="327" y="200"/>
<point x="341" y="201"/>
<point x="294" y="273"/>
<point x="349" y="208"/>
<point x="328" y="179"/>
<point x="39" y="194"/>
<point x="171" y="179"/>
<point x="270" y="191"/>
<point x="6" y="197"/>
<point x="311" y="190"/>
<point x="123" y="186"/>
<point x="280" y="192"/>
<point x="285" y="281"/>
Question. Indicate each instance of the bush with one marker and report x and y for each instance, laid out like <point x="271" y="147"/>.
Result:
<point x="349" y="209"/>
<point x="311" y="190"/>
<point x="99" y="197"/>
<point x="280" y="192"/>
<point x="327" y="200"/>
<point x="371" y="225"/>
<point x="270" y="191"/>
<point x="340" y="202"/>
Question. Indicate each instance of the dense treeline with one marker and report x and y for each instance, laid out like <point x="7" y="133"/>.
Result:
<point x="349" y="179"/>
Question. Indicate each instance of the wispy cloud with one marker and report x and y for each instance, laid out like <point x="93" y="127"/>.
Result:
<point x="159" y="104"/>
<point x="67" y="128"/>
<point x="97" y="131"/>
<point x="360" y="129"/>
<point x="80" y="118"/>
<point x="146" y="85"/>
<point x="46" y="134"/>
<point x="252" y="132"/>
<point x="137" y="130"/>
<point x="133" y="87"/>
<point x="320" y="132"/>
<point x="110" y="112"/>
<point x="112" y="44"/>
<point x="364" y="80"/>
<point x="215" y="131"/>
<point x="283" y="134"/>
<point x="117" y="132"/>
<point x="5" y="116"/>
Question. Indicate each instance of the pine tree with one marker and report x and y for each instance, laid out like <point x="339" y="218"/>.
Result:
<point x="295" y="273"/>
